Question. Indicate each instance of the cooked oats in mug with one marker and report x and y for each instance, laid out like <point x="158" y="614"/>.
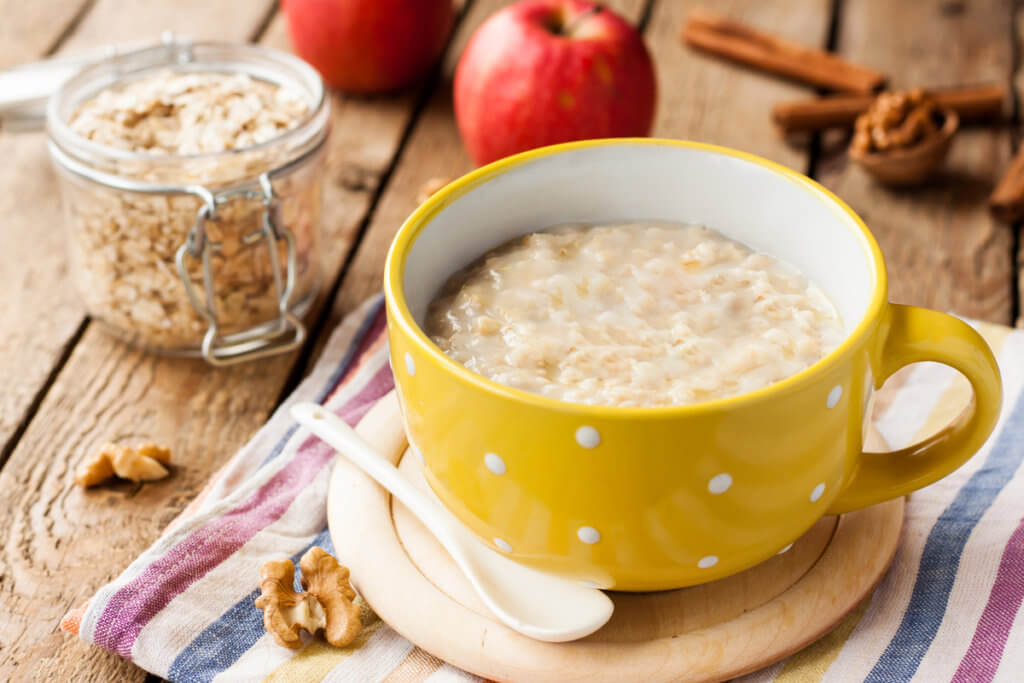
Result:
<point x="633" y="314"/>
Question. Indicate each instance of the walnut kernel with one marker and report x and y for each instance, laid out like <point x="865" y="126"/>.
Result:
<point x="142" y="463"/>
<point x="896" y="120"/>
<point x="327" y="603"/>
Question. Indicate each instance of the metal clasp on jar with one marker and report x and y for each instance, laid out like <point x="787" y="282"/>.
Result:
<point x="280" y="335"/>
<point x="284" y="333"/>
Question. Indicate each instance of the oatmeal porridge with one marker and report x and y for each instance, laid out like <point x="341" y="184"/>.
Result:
<point x="637" y="314"/>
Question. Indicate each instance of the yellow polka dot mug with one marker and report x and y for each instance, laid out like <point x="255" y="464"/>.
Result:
<point x="659" y="498"/>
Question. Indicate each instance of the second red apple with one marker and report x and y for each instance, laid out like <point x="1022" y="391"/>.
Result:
<point x="541" y="72"/>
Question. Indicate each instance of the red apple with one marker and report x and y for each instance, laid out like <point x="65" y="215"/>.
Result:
<point x="368" y="46"/>
<point x="539" y="72"/>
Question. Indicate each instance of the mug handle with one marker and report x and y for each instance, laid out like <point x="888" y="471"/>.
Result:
<point x="917" y="334"/>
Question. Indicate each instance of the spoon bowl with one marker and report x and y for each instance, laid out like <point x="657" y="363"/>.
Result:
<point x="538" y="605"/>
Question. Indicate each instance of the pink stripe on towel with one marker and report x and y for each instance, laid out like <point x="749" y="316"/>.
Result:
<point x="138" y="601"/>
<point x="131" y="608"/>
<point x="981" y="661"/>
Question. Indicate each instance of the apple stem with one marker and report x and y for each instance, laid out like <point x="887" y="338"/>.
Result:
<point x="570" y="28"/>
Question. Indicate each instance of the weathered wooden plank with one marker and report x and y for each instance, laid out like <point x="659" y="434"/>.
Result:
<point x="112" y="21"/>
<point x="706" y="99"/>
<point x="699" y="98"/>
<point x="39" y="322"/>
<point x="943" y="249"/>
<point x="32" y="339"/>
<point x="1018" y="89"/>
<point x="30" y="29"/>
<point x="434" y="151"/>
<point x="58" y="543"/>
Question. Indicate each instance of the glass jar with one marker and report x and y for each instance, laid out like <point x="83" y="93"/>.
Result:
<point x="209" y="254"/>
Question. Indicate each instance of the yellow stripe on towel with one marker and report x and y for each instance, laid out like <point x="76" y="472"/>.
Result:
<point x="314" y="661"/>
<point x="417" y="666"/>
<point x="810" y="664"/>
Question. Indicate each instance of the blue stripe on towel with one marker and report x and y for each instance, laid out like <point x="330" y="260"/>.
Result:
<point x="942" y="551"/>
<point x="221" y="643"/>
<point x="339" y="373"/>
<point x="353" y="348"/>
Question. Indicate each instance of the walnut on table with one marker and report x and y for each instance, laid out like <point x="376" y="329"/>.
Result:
<point x="145" y="462"/>
<point x="327" y="603"/>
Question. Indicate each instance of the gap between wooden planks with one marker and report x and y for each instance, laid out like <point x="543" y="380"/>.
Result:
<point x="37" y="322"/>
<point x="1017" y="86"/>
<point x="693" y="104"/>
<point x="58" y="543"/>
<point x="699" y="97"/>
<point x="45" y="318"/>
<point x="107" y="391"/>
<point x="943" y="249"/>
<point x="30" y="30"/>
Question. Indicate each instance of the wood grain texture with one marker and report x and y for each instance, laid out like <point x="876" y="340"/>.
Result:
<point x="699" y="98"/>
<point x="39" y="322"/>
<point x="31" y="29"/>
<point x="943" y="249"/>
<point x="111" y="21"/>
<point x="434" y="150"/>
<point x="37" y="580"/>
<point x="1018" y="89"/>
<point x="706" y="99"/>
<point x="59" y="543"/>
<point x="767" y="51"/>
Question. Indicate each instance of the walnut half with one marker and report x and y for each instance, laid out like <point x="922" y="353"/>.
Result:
<point x="326" y="604"/>
<point x="896" y="120"/>
<point x="145" y="462"/>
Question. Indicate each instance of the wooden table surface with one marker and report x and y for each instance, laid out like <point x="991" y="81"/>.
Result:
<point x="68" y="387"/>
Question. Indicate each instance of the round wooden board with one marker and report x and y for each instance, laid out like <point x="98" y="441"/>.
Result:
<point x="710" y="632"/>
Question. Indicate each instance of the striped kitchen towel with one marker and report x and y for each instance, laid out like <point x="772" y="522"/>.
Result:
<point x="949" y="609"/>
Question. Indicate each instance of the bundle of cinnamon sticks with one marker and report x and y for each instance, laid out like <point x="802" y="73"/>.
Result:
<point x="857" y="86"/>
<point x="738" y="42"/>
<point x="741" y="43"/>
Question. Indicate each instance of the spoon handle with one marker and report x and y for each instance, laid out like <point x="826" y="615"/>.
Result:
<point x="349" y="444"/>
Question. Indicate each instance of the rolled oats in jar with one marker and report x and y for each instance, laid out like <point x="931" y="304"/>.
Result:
<point x="191" y="176"/>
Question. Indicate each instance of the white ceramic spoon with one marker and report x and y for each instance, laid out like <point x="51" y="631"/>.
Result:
<point x="538" y="605"/>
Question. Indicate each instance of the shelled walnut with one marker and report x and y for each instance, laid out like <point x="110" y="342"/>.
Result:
<point x="145" y="462"/>
<point x="326" y="604"/>
<point x="896" y="120"/>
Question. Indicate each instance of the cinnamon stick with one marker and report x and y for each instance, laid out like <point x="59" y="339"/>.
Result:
<point x="1007" y="201"/>
<point x="971" y="103"/>
<point x="736" y="41"/>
